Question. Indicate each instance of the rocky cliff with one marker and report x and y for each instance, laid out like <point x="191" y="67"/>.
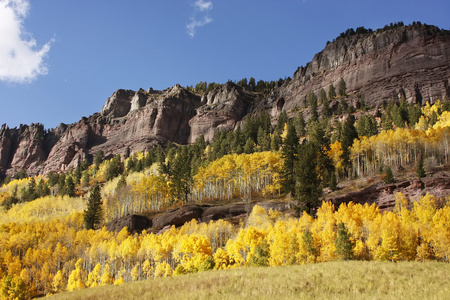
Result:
<point x="408" y="61"/>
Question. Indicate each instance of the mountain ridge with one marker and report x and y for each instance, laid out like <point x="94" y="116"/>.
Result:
<point x="412" y="62"/>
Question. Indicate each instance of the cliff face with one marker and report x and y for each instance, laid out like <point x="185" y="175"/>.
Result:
<point x="129" y="122"/>
<point x="409" y="61"/>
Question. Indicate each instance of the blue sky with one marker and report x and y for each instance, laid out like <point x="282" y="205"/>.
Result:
<point x="60" y="60"/>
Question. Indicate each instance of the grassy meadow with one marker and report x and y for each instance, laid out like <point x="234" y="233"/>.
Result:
<point x="331" y="280"/>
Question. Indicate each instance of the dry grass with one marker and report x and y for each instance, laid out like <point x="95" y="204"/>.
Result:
<point x="333" y="280"/>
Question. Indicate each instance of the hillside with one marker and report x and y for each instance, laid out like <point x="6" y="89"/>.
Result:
<point x="336" y="280"/>
<point x="410" y="62"/>
<point x="237" y="175"/>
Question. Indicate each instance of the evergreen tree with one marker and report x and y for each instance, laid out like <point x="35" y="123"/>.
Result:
<point x="300" y="125"/>
<point x="181" y="174"/>
<point x="342" y="88"/>
<point x="333" y="182"/>
<point x="69" y="188"/>
<point x="386" y="121"/>
<point x="307" y="189"/>
<point x="322" y="95"/>
<point x="30" y="193"/>
<point x="414" y="114"/>
<point x="420" y="169"/>
<point x="248" y="148"/>
<point x="289" y="153"/>
<point x="308" y="240"/>
<point x="276" y="141"/>
<point x="237" y="144"/>
<point x="389" y="176"/>
<point x="263" y="139"/>
<point x="77" y="175"/>
<point x="282" y="119"/>
<point x="121" y="183"/>
<point x="343" y="243"/>
<point x="367" y="126"/>
<point x="85" y="178"/>
<point x="348" y="134"/>
<point x="312" y="99"/>
<point x="446" y="105"/>
<point x="326" y="110"/>
<point x="98" y="158"/>
<point x="251" y="83"/>
<point x="321" y="143"/>
<point x="94" y="213"/>
<point x="331" y="92"/>
<point x="42" y="189"/>
<point x="397" y="117"/>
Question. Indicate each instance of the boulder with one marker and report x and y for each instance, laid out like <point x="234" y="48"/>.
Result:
<point x="178" y="217"/>
<point x="134" y="223"/>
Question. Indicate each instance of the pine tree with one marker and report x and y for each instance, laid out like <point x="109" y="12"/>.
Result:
<point x="389" y="178"/>
<point x="420" y="170"/>
<point x="307" y="188"/>
<point x="326" y="110"/>
<point x="348" y="134"/>
<point x="69" y="188"/>
<point x="248" y="148"/>
<point x="289" y="153"/>
<point x="94" y="213"/>
<point x="342" y="87"/>
<point x="98" y="158"/>
<point x="312" y="99"/>
<point x="331" y="92"/>
<point x="343" y="243"/>
<point x="181" y="174"/>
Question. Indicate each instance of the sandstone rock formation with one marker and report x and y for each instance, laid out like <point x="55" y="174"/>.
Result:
<point x="384" y="194"/>
<point x="179" y="216"/>
<point x="409" y="61"/>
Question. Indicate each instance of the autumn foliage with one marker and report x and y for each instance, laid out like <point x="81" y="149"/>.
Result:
<point x="48" y="257"/>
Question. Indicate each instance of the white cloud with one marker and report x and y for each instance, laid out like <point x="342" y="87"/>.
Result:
<point x="20" y="58"/>
<point x="203" y="7"/>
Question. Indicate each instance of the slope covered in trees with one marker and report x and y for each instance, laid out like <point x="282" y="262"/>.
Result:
<point x="51" y="228"/>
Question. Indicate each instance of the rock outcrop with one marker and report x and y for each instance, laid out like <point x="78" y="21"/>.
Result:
<point x="223" y="109"/>
<point x="179" y="216"/>
<point x="408" y="61"/>
<point x="384" y="194"/>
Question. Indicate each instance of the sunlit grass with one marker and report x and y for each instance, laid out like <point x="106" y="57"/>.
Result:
<point x="333" y="280"/>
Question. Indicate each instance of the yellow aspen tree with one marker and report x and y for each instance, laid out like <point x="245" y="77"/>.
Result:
<point x="222" y="260"/>
<point x="106" y="278"/>
<point x="58" y="282"/>
<point x="424" y="210"/>
<point x="147" y="269"/>
<point x="192" y="251"/>
<point x="120" y="276"/>
<point x="163" y="269"/>
<point x="75" y="281"/>
<point x="389" y="249"/>
<point x="324" y="228"/>
<point x="259" y="218"/>
<point x="45" y="278"/>
<point x="280" y="252"/>
<point x="94" y="277"/>
<point x="134" y="273"/>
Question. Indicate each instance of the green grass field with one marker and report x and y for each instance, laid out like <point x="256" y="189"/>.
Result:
<point x="332" y="280"/>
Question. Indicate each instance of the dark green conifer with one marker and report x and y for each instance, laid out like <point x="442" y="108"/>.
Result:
<point x="289" y="153"/>
<point x="94" y="213"/>
<point x="343" y="243"/>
